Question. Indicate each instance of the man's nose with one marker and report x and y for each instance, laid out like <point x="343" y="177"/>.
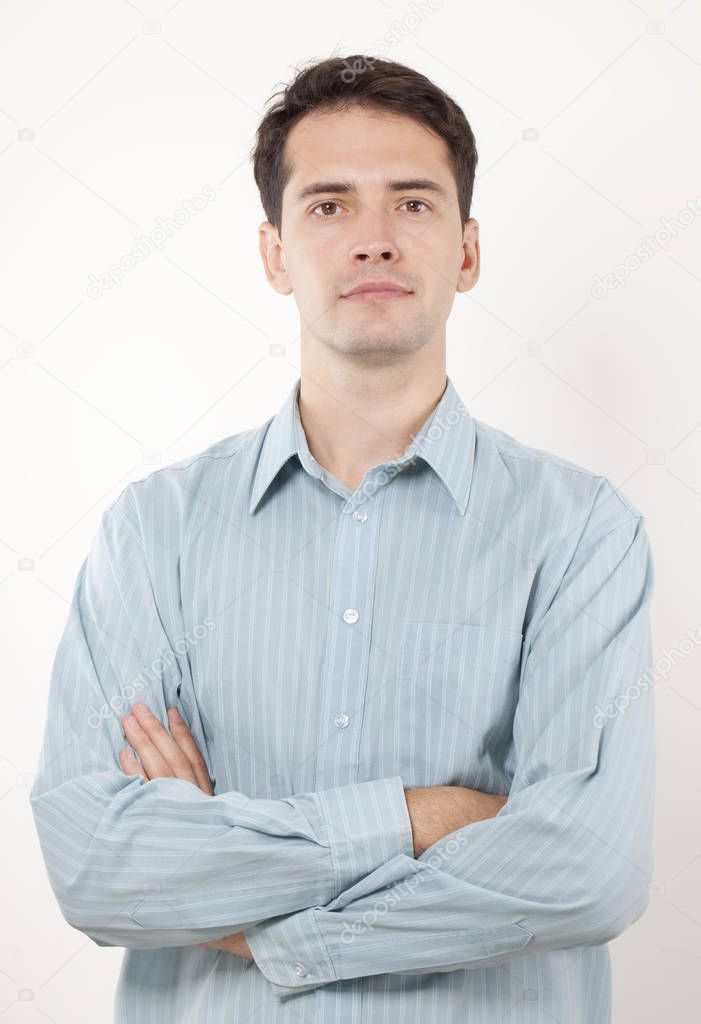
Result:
<point x="378" y="252"/>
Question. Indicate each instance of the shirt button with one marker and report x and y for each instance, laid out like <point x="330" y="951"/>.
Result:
<point x="350" y="615"/>
<point x="360" y="516"/>
<point x="342" y="720"/>
<point x="300" y="970"/>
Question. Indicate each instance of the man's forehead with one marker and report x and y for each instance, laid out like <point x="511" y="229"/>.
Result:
<point x="334" y="137"/>
<point x="356" y="173"/>
<point x="321" y="141"/>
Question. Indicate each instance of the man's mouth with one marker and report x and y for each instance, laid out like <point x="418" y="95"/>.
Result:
<point x="385" y="293"/>
<point x="377" y="290"/>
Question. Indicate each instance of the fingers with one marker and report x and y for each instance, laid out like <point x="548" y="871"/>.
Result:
<point x="183" y="737"/>
<point x="164" y="755"/>
<point x="160" y="755"/>
<point x="235" y="944"/>
<point x="130" y="764"/>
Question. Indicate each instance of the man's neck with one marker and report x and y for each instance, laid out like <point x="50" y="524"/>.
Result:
<point x="352" y="425"/>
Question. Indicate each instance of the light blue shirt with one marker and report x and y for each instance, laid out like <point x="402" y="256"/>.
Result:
<point x="475" y="613"/>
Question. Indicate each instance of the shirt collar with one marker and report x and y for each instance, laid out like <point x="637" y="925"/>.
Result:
<point x="446" y="442"/>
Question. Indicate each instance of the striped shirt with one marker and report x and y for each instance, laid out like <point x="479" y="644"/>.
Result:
<point x="475" y="613"/>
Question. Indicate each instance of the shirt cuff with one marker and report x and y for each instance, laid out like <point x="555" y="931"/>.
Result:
<point x="368" y="824"/>
<point x="290" y="952"/>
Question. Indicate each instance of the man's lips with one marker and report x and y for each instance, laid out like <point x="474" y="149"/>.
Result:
<point x="385" y="293"/>
<point x="378" y="290"/>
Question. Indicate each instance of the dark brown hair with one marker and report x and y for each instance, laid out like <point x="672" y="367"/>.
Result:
<point x="339" y="82"/>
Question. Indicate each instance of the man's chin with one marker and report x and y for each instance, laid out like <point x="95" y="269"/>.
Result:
<point x="374" y="346"/>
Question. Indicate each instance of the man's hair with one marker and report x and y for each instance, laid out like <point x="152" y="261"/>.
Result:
<point x="359" y="80"/>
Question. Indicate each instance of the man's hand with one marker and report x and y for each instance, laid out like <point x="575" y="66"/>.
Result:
<point x="176" y="756"/>
<point x="163" y="756"/>
<point x="435" y="811"/>
<point x="235" y="944"/>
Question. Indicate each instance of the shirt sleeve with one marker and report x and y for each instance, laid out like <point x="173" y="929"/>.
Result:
<point x="148" y="864"/>
<point x="567" y="861"/>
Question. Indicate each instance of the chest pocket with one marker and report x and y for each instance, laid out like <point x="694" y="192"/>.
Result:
<point x="456" y="693"/>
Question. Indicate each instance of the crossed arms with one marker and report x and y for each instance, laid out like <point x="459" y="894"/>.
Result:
<point x="434" y="811"/>
<point x="329" y="881"/>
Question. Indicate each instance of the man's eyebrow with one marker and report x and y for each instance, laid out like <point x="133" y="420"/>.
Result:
<point x="403" y="185"/>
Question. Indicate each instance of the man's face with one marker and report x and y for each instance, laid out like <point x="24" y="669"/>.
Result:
<point x="333" y="240"/>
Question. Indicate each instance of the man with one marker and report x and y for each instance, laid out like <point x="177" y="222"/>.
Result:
<point x="369" y="654"/>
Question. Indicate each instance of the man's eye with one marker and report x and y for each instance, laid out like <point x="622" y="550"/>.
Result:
<point x="420" y="201"/>
<point x="328" y="202"/>
<point x="332" y="202"/>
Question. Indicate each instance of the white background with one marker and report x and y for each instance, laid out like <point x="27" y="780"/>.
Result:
<point x="112" y="113"/>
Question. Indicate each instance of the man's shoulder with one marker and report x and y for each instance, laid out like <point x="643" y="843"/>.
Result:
<point x="551" y="480"/>
<point x="180" y="489"/>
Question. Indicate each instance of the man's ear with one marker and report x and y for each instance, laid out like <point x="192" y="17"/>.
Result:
<point x="469" y="272"/>
<point x="273" y="257"/>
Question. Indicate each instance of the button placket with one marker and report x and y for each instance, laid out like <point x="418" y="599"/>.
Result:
<point x="347" y="649"/>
